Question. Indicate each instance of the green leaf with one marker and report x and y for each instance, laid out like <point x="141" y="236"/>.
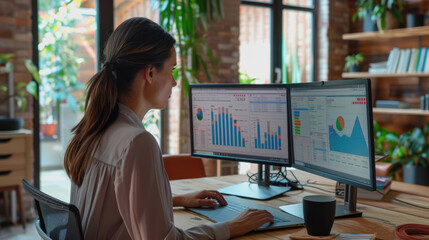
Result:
<point x="376" y="126"/>
<point x="205" y="69"/>
<point x="20" y="85"/>
<point x="4" y="57"/>
<point x="32" y="89"/>
<point x="33" y="70"/>
<point x="21" y="102"/>
<point x="3" y="88"/>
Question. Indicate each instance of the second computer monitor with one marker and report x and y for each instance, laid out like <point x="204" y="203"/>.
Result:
<point x="240" y="122"/>
<point x="332" y="130"/>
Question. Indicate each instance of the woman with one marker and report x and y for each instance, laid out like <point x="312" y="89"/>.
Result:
<point x="118" y="179"/>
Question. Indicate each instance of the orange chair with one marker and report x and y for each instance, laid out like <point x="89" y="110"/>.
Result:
<point x="183" y="166"/>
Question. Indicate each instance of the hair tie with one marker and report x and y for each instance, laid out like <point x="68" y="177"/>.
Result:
<point x="112" y="67"/>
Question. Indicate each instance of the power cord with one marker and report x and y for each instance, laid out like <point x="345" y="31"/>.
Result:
<point x="278" y="179"/>
<point x="310" y="184"/>
<point x="402" y="201"/>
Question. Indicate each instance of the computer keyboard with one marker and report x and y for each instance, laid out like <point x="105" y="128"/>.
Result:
<point x="237" y="205"/>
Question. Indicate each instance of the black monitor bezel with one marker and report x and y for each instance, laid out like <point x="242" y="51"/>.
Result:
<point x="288" y="162"/>
<point x="345" y="83"/>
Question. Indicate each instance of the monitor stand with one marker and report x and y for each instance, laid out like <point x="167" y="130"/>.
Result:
<point x="261" y="190"/>
<point x="341" y="211"/>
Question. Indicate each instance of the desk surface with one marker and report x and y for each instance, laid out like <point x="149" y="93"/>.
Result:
<point x="379" y="216"/>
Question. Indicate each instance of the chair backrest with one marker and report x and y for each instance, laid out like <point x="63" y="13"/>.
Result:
<point x="58" y="220"/>
<point x="183" y="166"/>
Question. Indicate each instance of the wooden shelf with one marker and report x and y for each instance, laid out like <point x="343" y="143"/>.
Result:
<point x="381" y="75"/>
<point x="415" y="111"/>
<point x="393" y="33"/>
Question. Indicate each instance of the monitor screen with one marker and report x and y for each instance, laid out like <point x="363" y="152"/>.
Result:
<point x="241" y="122"/>
<point x="332" y="132"/>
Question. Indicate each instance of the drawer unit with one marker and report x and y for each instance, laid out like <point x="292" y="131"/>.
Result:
<point x="16" y="157"/>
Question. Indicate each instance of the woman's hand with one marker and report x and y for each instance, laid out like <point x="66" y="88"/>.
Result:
<point x="203" y="198"/>
<point x="247" y="221"/>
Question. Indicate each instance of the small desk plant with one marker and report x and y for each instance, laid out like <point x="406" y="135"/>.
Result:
<point x="353" y="63"/>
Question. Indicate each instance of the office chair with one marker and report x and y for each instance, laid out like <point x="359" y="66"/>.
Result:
<point x="183" y="166"/>
<point x="57" y="220"/>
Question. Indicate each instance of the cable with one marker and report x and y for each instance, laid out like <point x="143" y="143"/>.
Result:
<point x="402" y="201"/>
<point x="279" y="178"/>
<point x="315" y="183"/>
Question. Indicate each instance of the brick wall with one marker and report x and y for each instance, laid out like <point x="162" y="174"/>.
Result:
<point x="16" y="38"/>
<point x="222" y="38"/>
<point x="338" y="48"/>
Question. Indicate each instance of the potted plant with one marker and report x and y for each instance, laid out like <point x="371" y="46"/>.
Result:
<point x="364" y="11"/>
<point x="412" y="153"/>
<point x="19" y="92"/>
<point x="388" y="13"/>
<point x="59" y="75"/>
<point x="353" y="63"/>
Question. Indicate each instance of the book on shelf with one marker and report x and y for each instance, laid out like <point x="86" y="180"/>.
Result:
<point x="411" y="60"/>
<point x="382" y="188"/>
<point x="378" y="67"/>
<point x="391" y="104"/>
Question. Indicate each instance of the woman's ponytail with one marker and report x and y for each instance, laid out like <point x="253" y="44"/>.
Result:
<point x="134" y="45"/>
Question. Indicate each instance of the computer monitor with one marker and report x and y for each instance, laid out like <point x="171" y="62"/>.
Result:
<point x="332" y="135"/>
<point x="241" y="122"/>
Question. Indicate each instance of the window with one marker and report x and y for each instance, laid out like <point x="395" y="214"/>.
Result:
<point x="277" y="40"/>
<point x="277" y="44"/>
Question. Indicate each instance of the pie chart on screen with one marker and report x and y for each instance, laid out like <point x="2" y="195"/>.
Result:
<point x="199" y="114"/>
<point x="340" y="123"/>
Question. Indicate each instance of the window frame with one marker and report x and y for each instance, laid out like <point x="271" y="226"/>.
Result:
<point x="277" y="7"/>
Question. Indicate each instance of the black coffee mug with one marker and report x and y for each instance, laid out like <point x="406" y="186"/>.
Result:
<point x="319" y="214"/>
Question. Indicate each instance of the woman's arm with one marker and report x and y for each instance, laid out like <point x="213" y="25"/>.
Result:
<point x="209" y="198"/>
<point x="144" y="197"/>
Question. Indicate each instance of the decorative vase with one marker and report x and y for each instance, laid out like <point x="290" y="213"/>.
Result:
<point x="355" y="68"/>
<point x="391" y="22"/>
<point x="369" y="25"/>
<point x="416" y="174"/>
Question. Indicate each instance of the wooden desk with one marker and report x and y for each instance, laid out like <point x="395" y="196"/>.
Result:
<point x="379" y="217"/>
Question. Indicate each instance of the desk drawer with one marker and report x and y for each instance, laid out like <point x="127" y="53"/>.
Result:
<point x="12" y="161"/>
<point x="12" y="145"/>
<point x="12" y="177"/>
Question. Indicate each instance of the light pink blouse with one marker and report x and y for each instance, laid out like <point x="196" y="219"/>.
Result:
<point x="126" y="193"/>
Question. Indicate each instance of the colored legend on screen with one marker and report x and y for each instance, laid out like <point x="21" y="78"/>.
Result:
<point x="296" y="123"/>
<point x="225" y="130"/>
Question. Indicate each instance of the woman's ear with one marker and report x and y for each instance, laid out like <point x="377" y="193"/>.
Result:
<point x="148" y="73"/>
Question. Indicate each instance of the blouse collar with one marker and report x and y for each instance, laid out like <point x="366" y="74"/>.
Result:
<point x="130" y="114"/>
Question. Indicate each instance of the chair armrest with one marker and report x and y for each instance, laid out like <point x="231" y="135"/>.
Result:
<point x="41" y="232"/>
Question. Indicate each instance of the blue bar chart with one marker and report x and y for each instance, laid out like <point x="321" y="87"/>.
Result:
<point x="225" y="129"/>
<point x="271" y="140"/>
